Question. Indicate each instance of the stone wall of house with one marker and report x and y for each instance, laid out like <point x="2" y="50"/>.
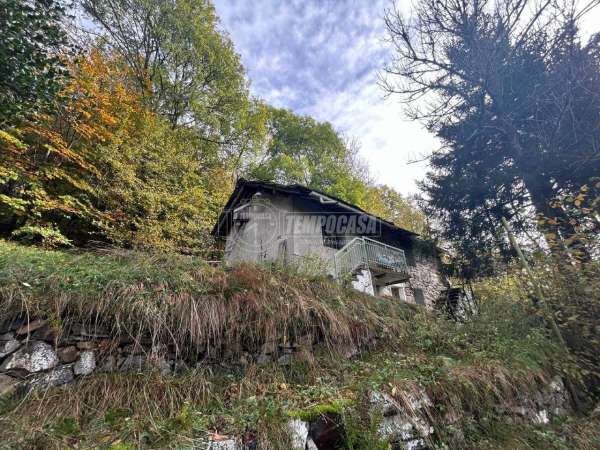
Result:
<point x="426" y="282"/>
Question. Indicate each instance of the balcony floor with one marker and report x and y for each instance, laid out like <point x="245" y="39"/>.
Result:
<point x="387" y="276"/>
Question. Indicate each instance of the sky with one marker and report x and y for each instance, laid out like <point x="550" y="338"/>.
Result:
<point x="323" y="58"/>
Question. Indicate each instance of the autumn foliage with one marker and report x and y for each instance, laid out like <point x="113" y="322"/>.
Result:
<point x="104" y="168"/>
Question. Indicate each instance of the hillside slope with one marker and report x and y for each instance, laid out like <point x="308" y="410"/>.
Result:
<point x="263" y="358"/>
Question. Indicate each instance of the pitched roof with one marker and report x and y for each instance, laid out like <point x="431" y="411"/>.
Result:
<point x="246" y="188"/>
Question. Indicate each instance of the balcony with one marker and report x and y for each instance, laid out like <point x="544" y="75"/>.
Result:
<point x="386" y="263"/>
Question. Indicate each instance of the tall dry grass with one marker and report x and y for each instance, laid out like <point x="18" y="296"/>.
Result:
<point x="184" y="303"/>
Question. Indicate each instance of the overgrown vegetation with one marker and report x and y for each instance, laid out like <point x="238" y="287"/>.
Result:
<point x="130" y="130"/>
<point x="182" y="301"/>
<point x="502" y="354"/>
<point x="136" y="138"/>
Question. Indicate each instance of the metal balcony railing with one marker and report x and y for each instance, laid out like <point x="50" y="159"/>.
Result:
<point x="364" y="253"/>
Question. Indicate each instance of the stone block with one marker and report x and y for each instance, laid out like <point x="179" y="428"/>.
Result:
<point x="68" y="354"/>
<point x="85" y="364"/>
<point x="414" y="444"/>
<point x="90" y="331"/>
<point x="30" y="327"/>
<point x="56" y="377"/>
<point x="298" y="431"/>
<point x="396" y="428"/>
<point x="45" y="333"/>
<point x="310" y="445"/>
<point x="380" y="401"/>
<point x="8" y="347"/>
<point x="224" y="444"/>
<point x="7" y="337"/>
<point x="33" y="357"/>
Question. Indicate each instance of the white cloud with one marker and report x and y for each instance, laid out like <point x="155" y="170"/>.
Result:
<point x="322" y="58"/>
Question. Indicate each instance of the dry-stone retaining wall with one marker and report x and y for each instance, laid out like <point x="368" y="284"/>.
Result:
<point x="33" y="355"/>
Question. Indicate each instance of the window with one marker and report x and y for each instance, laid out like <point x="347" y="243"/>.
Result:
<point x="332" y="240"/>
<point x="419" y="297"/>
<point x="241" y="214"/>
<point x="398" y="292"/>
<point x="336" y="242"/>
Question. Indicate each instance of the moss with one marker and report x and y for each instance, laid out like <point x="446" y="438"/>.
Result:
<point x="335" y="407"/>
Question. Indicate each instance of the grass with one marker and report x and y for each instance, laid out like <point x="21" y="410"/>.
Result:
<point x="183" y="302"/>
<point x="466" y="369"/>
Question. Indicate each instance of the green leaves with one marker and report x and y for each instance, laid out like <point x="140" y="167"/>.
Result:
<point x="301" y="150"/>
<point x="32" y="50"/>
<point x="185" y="69"/>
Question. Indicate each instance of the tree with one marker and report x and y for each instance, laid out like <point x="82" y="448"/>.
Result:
<point x="32" y="49"/>
<point x="301" y="150"/>
<point x="105" y="168"/>
<point x="185" y="69"/>
<point x="515" y="102"/>
<point x="389" y="204"/>
<point x="49" y="167"/>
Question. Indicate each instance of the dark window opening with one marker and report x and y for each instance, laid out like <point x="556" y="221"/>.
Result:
<point x="332" y="240"/>
<point x="336" y="242"/>
<point x="419" y="297"/>
<point x="398" y="292"/>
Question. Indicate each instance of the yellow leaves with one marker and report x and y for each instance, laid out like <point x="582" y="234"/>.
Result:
<point x="11" y="141"/>
<point x="16" y="204"/>
<point x="548" y="221"/>
<point x="59" y="159"/>
<point x="579" y="199"/>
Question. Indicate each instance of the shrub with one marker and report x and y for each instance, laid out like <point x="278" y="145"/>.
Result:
<point x="46" y="237"/>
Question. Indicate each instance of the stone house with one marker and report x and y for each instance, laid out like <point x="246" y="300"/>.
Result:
<point x="296" y="225"/>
